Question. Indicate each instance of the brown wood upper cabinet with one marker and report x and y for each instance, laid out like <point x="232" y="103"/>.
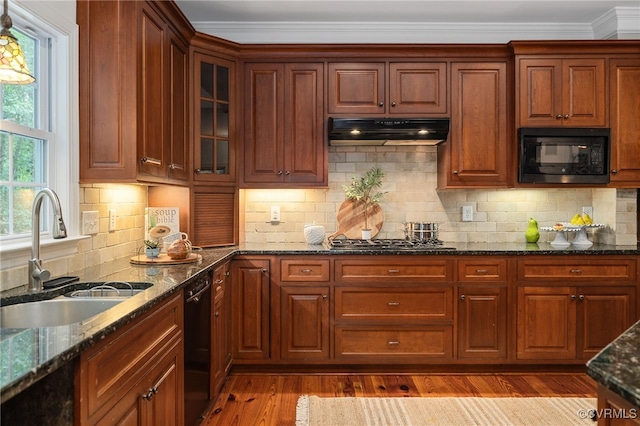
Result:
<point x="477" y="151"/>
<point x="284" y="125"/>
<point x="624" y="92"/>
<point x="214" y="146"/>
<point x="381" y="88"/>
<point x="133" y="95"/>
<point x="562" y="92"/>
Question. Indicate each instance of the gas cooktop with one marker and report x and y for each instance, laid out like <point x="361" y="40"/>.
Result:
<point x="386" y="244"/>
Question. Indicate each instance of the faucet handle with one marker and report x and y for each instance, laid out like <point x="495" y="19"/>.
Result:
<point x="38" y="273"/>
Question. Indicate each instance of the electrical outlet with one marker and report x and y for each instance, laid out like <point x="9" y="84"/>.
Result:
<point x="112" y="220"/>
<point x="275" y="215"/>
<point x="467" y="213"/>
<point x="90" y="223"/>
<point x="588" y="210"/>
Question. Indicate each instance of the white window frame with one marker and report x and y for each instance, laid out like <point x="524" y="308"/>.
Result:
<point x="57" y="18"/>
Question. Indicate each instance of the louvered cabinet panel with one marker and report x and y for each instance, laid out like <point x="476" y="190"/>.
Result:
<point x="214" y="217"/>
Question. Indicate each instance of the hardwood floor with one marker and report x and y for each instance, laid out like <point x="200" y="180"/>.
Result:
<point x="249" y="400"/>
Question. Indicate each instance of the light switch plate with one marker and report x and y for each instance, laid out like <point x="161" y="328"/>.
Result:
<point x="90" y="223"/>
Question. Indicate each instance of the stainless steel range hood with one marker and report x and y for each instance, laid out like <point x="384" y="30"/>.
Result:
<point x="388" y="131"/>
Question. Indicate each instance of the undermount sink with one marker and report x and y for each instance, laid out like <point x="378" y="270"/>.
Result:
<point x="48" y="313"/>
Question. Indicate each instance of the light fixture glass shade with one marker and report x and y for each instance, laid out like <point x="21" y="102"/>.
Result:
<point x="13" y="67"/>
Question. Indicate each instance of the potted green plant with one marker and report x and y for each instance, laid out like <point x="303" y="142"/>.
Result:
<point x="152" y="248"/>
<point x="364" y="189"/>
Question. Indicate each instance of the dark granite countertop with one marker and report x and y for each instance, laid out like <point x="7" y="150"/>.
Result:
<point x="23" y="360"/>
<point x="617" y="366"/>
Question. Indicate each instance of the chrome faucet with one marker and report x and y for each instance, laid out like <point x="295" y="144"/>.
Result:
<point x="37" y="275"/>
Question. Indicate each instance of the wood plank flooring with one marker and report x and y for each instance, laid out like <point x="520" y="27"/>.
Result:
<point x="250" y="400"/>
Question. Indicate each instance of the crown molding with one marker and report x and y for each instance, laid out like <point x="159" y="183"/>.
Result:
<point x="385" y="32"/>
<point x="619" y="22"/>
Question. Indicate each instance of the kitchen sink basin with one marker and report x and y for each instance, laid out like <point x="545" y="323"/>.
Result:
<point x="104" y="293"/>
<point x="59" y="311"/>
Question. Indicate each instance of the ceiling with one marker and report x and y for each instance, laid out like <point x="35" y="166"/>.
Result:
<point x="358" y="21"/>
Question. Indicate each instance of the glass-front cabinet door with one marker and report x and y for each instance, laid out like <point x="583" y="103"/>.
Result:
<point x="214" y="150"/>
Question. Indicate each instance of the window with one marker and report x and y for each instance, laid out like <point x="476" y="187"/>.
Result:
<point x="25" y="141"/>
<point x="39" y="130"/>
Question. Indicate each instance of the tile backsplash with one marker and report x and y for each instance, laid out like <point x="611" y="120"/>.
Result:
<point x="500" y="215"/>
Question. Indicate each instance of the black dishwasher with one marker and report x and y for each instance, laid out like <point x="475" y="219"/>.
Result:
<point x="197" y="349"/>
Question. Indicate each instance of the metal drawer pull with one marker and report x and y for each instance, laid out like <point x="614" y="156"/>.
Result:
<point x="393" y="343"/>
<point x="219" y="281"/>
<point x="482" y="271"/>
<point x="393" y="303"/>
<point x="394" y="271"/>
<point x="576" y="271"/>
<point x="306" y="271"/>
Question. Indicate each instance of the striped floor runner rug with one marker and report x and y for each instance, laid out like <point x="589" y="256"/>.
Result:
<point x="316" y="411"/>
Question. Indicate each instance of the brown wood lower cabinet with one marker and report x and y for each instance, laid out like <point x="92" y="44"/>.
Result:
<point x="359" y="311"/>
<point x="566" y="323"/>
<point x="135" y="377"/>
<point x="482" y="322"/>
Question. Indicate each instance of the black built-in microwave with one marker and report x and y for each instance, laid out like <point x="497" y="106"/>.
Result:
<point x="564" y="155"/>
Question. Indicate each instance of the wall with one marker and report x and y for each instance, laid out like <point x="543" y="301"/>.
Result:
<point x="129" y="201"/>
<point x="499" y="215"/>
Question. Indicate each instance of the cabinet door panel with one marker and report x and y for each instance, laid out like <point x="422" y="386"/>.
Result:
<point x="624" y="92"/>
<point x="540" y="92"/>
<point x="263" y="122"/>
<point x="152" y="142"/>
<point x="178" y="111"/>
<point x="304" y="328"/>
<point x="304" y="147"/>
<point x="603" y="314"/>
<point x="546" y="323"/>
<point x="478" y="139"/>
<point x="482" y="322"/>
<point x="356" y="88"/>
<point x="418" y="88"/>
<point x="584" y="92"/>
<point x="250" y="296"/>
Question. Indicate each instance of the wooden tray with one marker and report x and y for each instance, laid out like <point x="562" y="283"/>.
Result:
<point x="351" y="219"/>
<point x="163" y="259"/>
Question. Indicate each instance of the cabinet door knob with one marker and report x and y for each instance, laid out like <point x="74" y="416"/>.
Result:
<point x="566" y="117"/>
<point x="216" y="314"/>
<point x="380" y="104"/>
<point x="287" y="172"/>
<point x="573" y="297"/>
<point x="264" y="271"/>
<point x="462" y="297"/>
<point x="279" y="172"/>
<point x="393" y="103"/>
<point x="581" y="297"/>
<point x="614" y="172"/>
<point x="325" y="297"/>
<point x="172" y="166"/>
<point x="455" y="172"/>
<point x="559" y="116"/>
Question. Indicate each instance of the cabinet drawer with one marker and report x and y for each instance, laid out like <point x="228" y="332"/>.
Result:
<point x="482" y="270"/>
<point x="393" y="304"/>
<point x="304" y="270"/>
<point x="588" y="269"/>
<point x="425" y="341"/>
<point x="377" y="269"/>
<point x="106" y="368"/>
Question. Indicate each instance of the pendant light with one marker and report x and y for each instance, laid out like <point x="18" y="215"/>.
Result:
<point x="13" y="67"/>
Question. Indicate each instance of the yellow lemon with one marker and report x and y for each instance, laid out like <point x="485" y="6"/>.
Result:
<point x="579" y="221"/>
<point x="574" y="219"/>
<point x="587" y="219"/>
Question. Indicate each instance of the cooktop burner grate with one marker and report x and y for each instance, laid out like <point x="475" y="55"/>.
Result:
<point x="387" y="244"/>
